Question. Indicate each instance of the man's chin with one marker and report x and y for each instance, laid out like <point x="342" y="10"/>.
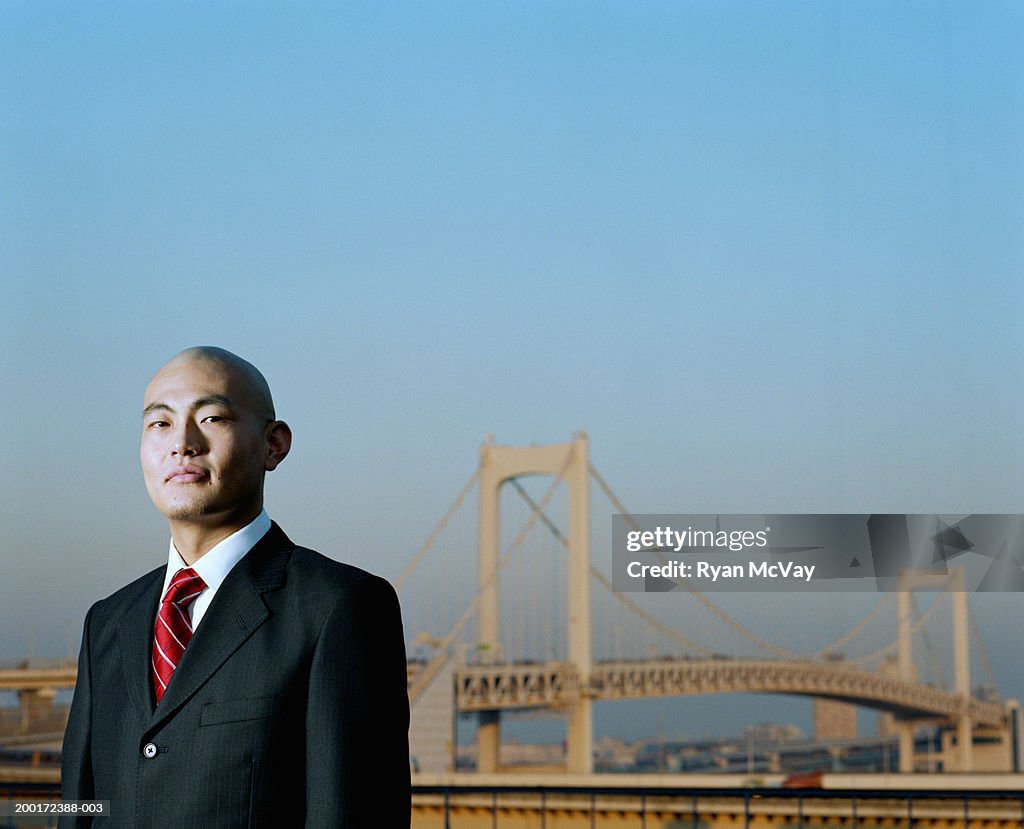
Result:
<point x="191" y="511"/>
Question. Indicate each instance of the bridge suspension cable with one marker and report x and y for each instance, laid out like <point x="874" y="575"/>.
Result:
<point x="844" y="640"/>
<point x="982" y="653"/>
<point x="660" y="626"/>
<point x="443" y="656"/>
<point x="892" y="646"/>
<point x="919" y="624"/>
<point x="538" y="514"/>
<point x="446" y="518"/>
<point x="722" y="616"/>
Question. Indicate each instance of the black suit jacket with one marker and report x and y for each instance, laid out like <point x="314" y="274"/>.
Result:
<point x="289" y="707"/>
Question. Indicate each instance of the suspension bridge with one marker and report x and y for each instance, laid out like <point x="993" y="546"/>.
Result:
<point x="537" y="626"/>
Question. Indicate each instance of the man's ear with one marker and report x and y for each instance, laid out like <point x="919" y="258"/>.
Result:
<point x="279" y="441"/>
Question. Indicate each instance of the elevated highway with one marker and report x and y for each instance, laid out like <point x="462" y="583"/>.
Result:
<point x="29" y="675"/>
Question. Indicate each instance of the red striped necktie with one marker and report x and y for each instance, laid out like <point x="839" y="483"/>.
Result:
<point x="173" y="626"/>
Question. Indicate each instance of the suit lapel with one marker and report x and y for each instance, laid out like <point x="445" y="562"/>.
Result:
<point x="236" y="612"/>
<point x="135" y="638"/>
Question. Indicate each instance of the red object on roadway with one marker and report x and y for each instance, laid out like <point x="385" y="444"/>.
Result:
<point x="811" y="780"/>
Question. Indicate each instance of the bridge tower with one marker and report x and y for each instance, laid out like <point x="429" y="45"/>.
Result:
<point x="570" y="462"/>
<point x="955" y="582"/>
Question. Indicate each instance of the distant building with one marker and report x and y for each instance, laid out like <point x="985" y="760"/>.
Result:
<point x="772" y="733"/>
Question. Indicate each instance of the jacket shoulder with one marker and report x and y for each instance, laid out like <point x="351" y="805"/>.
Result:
<point x="318" y="588"/>
<point x="313" y="568"/>
<point x="277" y="562"/>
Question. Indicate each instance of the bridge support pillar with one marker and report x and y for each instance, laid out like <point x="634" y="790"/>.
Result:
<point x="488" y="742"/>
<point x="907" y="747"/>
<point x="580" y="738"/>
<point x="580" y="732"/>
<point x="906" y="672"/>
<point x="35" y="703"/>
<point x="955" y="582"/>
<point x="965" y="743"/>
<point x="1015" y="735"/>
<point x="962" y="669"/>
<point x="571" y="463"/>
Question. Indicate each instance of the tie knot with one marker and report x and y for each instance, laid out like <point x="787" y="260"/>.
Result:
<point x="184" y="587"/>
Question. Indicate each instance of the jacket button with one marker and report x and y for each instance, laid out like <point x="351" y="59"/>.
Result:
<point x="150" y="751"/>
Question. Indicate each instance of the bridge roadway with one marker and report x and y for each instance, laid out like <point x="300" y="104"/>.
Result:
<point x="37" y="676"/>
<point x="556" y="685"/>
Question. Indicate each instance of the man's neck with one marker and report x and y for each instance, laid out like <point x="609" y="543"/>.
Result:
<point x="193" y="540"/>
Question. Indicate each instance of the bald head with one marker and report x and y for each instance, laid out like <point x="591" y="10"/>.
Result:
<point x="244" y="374"/>
<point x="209" y="436"/>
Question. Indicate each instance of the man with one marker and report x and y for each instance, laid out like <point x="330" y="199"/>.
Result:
<point x="250" y="682"/>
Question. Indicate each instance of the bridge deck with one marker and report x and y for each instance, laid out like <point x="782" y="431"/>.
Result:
<point x="557" y="685"/>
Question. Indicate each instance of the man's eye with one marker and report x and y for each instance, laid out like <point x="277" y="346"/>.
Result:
<point x="158" y="424"/>
<point x="214" y="419"/>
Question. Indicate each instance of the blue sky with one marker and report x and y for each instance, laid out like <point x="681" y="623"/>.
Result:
<point x="768" y="254"/>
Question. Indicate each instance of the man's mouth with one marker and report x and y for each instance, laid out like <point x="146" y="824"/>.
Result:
<point x="187" y="475"/>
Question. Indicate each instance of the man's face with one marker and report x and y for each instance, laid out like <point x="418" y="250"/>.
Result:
<point x="204" y="448"/>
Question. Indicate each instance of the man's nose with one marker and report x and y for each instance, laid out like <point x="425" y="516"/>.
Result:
<point x="187" y="440"/>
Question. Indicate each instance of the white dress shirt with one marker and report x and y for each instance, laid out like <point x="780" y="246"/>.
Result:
<point x="214" y="567"/>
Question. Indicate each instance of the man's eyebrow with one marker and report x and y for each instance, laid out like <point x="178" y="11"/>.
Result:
<point x="156" y="407"/>
<point x="213" y="400"/>
<point x="209" y="400"/>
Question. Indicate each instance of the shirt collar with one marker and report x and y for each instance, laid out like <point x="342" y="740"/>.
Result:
<point x="214" y="566"/>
